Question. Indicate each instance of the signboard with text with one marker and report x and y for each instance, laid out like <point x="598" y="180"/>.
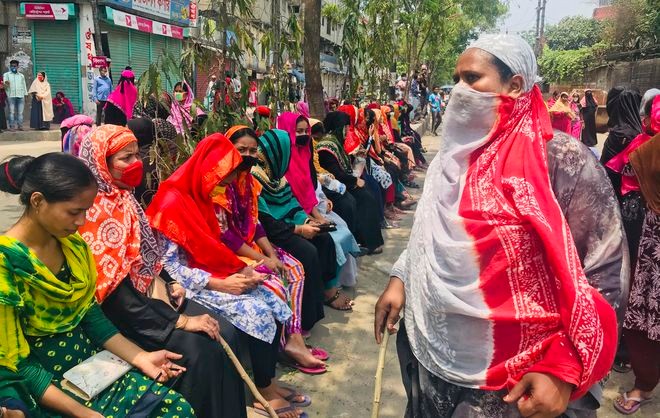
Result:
<point x="98" y="62"/>
<point x="175" y="10"/>
<point x="47" y="11"/>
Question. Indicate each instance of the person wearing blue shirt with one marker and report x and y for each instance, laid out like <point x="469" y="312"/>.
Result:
<point x="16" y="91"/>
<point x="102" y="89"/>
<point x="435" y="100"/>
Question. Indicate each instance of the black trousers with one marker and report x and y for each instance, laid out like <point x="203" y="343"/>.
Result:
<point x="99" y="112"/>
<point x="263" y="357"/>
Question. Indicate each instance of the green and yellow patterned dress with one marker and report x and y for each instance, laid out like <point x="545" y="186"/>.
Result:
<point x="50" y="323"/>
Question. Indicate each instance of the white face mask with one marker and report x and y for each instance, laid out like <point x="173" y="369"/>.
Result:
<point x="470" y="114"/>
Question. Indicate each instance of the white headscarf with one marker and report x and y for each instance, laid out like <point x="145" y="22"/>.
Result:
<point x="512" y="50"/>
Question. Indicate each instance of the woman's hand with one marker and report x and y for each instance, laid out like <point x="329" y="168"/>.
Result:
<point x="388" y="307"/>
<point x="11" y="413"/>
<point x="238" y="283"/>
<point x="540" y="395"/>
<point x="177" y="292"/>
<point x="203" y="323"/>
<point x="307" y="231"/>
<point x="158" y="364"/>
<point x="329" y="206"/>
<point x="274" y="264"/>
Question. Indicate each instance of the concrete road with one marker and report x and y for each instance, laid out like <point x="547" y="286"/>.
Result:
<point x="10" y="209"/>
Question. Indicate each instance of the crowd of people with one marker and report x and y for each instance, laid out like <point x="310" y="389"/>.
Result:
<point x="515" y="286"/>
<point x="248" y="241"/>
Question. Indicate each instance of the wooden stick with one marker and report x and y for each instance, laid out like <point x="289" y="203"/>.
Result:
<point x="241" y="371"/>
<point x="379" y="375"/>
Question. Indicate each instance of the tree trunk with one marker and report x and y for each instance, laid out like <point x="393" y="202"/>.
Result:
<point x="311" y="49"/>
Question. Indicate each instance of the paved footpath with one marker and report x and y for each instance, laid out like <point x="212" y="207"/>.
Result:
<point x="346" y="390"/>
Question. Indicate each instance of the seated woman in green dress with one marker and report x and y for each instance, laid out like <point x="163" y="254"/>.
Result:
<point x="49" y="319"/>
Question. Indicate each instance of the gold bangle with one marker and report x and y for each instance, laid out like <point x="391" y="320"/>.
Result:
<point x="182" y="321"/>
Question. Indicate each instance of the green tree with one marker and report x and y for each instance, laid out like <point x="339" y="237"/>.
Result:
<point x="573" y="32"/>
<point x="636" y="25"/>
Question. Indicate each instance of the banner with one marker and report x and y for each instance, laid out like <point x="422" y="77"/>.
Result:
<point x="128" y="20"/>
<point x="47" y="11"/>
<point x="178" y="11"/>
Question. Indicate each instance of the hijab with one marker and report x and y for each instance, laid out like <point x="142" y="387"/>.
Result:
<point x="490" y="249"/>
<point x="78" y="127"/>
<point x="299" y="174"/>
<point x="180" y="115"/>
<point x="42" y="90"/>
<point x="117" y="230"/>
<point x="623" y="110"/>
<point x="645" y="160"/>
<point x="183" y="210"/>
<point x="334" y="142"/>
<point x="277" y="199"/>
<point x="562" y="108"/>
<point x="352" y="140"/>
<point x="588" y="100"/>
<point x="125" y="94"/>
<point x="303" y="108"/>
<point x="65" y="101"/>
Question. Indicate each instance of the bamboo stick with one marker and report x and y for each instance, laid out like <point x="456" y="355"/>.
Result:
<point x="379" y="375"/>
<point x="241" y="371"/>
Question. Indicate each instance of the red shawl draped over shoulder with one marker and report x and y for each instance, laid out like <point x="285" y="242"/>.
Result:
<point x="183" y="211"/>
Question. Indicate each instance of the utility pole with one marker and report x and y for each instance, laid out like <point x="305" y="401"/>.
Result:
<point x="541" y="28"/>
<point x="537" y="37"/>
<point x="275" y="19"/>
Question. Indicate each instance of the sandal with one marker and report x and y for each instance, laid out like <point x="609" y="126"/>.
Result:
<point x="376" y="251"/>
<point x="620" y="406"/>
<point x="288" y="362"/>
<point x="294" y="394"/>
<point x="328" y="302"/>
<point x="621" y="367"/>
<point x="318" y="352"/>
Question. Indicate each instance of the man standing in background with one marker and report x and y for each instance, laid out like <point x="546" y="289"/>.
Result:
<point x="102" y="89"/>
<point x="16" y="91"/>
<point x="435" y="100"/>
<point x="414" y="98"/>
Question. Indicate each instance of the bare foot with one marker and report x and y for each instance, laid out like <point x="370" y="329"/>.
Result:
<point x="296" y="349"/>
<point x="277" y="401"/>
<point x="633" y="394"/>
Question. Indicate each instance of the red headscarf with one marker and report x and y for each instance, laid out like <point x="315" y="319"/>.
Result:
<point x="298" y="175"/>
<point x="351" y="140"/>
<point x="183" y="211"/>
<point x="116" y="230"/>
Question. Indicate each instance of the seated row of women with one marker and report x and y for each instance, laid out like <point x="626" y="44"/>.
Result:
<point x="246" y="241"/>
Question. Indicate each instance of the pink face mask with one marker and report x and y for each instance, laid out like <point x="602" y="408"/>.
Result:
<point x="132" y="175"/>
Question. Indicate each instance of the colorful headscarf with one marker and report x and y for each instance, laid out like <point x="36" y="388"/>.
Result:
<point x="117" y="230"/>
<point x="46" y="305"/>
<point x="351" y="139"/>
<point x="277" y="198"/>
<point x="78" y="127"/>
<point x="240" y="199"/>
<point x="333" y="142"/>
<point x="182" y="209"/>
<point x="299" y="175"/>
<point x="491" y="251"/>
<point x="125" y="94"/>
<point x="180" y="115"/>
<point x="303" y="108"/>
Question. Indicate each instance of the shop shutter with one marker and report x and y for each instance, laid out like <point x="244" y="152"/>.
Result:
<point x="140" y="56"/>
<point x="174" y="49"/>
<point x="56" y="53"/>
<point x="119" y="52"/>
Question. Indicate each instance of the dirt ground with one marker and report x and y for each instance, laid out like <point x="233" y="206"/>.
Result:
<point x="346" y="390"/>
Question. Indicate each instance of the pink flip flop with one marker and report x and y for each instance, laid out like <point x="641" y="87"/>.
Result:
<point x="319" y="353"/>
<point x="306" y="370"/>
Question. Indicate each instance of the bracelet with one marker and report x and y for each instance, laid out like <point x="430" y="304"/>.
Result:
<point x="182" y="321"/>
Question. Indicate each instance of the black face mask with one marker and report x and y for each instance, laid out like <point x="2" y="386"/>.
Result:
<point x="302" y="140"/>
<point x="248" y="162"/>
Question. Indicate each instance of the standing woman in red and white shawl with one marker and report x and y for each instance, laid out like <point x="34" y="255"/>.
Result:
<point x="42" y="103"/>
<point x="497" y="299"/>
